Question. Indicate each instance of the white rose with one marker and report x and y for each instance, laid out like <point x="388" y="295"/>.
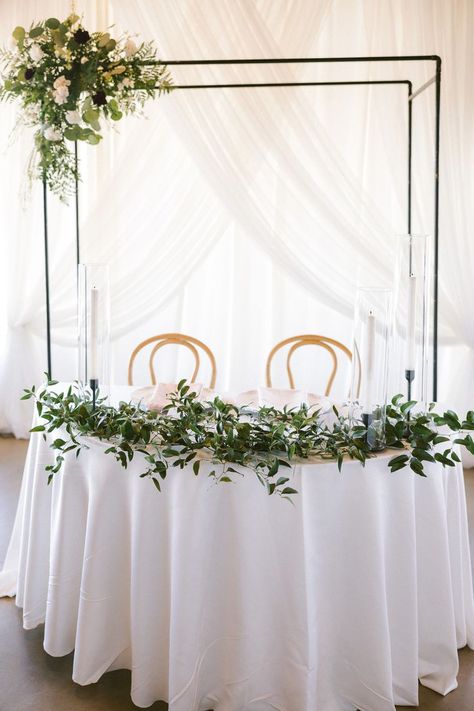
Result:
<point x="73" y="117"/>
<point x="130" y="48"/>
<point x="61" y="82"/>
<point x="60" y="95"/>
<point x="36" y="53"/>
<point x="84" y="60"/>
<point x="51" y="134"/>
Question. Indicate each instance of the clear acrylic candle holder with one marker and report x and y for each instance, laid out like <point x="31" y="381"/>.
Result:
<point x="411" y="361"/>
<point x="94" y="329"/>
<point x="372" y="332"/>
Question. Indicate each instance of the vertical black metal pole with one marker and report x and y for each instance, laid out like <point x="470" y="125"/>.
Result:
<point x="78" y="260"/>
<point x="410" y="136"/>
<point x="436" y="229"/>
<point x="78" y="252"/>
<point x="46" y="275"/>
<point x="409" y="374"/>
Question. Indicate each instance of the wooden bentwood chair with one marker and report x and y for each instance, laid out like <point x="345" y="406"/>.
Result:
<point x="165" y="339"/>
<point x="329" y="344"/>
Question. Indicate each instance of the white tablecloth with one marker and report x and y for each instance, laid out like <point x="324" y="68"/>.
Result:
<point x="219" y="596"/>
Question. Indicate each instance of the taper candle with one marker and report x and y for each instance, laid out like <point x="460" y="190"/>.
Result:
<point x="93" y="373"/>
<point x="411" y="324"/>
<point x="369" y="363"/>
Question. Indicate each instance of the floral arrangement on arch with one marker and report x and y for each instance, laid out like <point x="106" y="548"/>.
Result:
<point x="68" y="82"/>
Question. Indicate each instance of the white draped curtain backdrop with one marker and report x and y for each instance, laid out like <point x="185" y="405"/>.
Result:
<point x="245" y="216"/>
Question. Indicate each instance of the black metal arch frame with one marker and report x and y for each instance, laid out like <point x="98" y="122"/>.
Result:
<point x="411" y="95"/>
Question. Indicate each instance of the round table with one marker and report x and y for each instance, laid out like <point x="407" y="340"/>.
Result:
<point x="222" y="597"/>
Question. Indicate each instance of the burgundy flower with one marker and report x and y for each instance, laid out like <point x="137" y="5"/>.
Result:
<point x="81" y="36"/>
<point x="99" y="99"/>
<point x="29" y="73"/>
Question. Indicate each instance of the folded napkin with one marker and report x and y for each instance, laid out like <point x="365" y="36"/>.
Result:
<point x="274" y="397"/>
<point x="248" y="398"/>
<point x="206" y="395"/>
<point x="160" y="395"/>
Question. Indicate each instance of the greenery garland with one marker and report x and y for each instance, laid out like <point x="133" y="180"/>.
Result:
<point x="266" y="440"/>
<point x="68" y="80"/>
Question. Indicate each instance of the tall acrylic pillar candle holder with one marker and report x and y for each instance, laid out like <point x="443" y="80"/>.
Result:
<point x="94" y="329"/>
<point x="412" y="316"/>
<point x="372" y="331"/>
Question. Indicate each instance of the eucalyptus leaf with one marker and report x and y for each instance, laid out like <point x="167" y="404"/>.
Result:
<point x="19" y="33"/>
<point x="73" y="133"/>
<point x="94" y="139"/>
<point x="52" y="23"/>
<point x="36" y="32"/>
<point x="103" y="39"/>
<point x="91" y="115"/>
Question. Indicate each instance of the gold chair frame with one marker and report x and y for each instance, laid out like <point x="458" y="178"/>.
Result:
<point x="165" y="339"/>
<point x="329" y="344"/>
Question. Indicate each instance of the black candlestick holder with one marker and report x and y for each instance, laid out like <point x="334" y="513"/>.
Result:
<point x="409" y="377"/>
<point x="94" y="386"/>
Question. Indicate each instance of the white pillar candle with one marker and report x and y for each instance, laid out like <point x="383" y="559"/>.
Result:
<point x="369" y="364"/>
<point x="93" y="370"/>
<point x="411" y="324"/>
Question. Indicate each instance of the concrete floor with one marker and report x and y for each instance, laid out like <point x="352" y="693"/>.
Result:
<point x="30" y="680"/>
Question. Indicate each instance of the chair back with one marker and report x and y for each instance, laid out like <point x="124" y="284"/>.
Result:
<point x="328" y="344"/>
<point x="165" y="339"/>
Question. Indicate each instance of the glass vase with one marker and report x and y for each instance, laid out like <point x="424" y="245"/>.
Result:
<point x="411" y="356"/>
<point x="94" y="329"/>
<point x="372" y="333"/>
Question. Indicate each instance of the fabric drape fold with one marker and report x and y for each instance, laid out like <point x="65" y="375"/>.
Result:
<point x="270" y="617"/>
<point x="306" y="185"/>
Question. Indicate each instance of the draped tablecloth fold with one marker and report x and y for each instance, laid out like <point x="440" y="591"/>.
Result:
<point x="219" y="596"/>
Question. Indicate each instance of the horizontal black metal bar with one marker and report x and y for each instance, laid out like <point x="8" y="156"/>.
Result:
<point x="289" y="83"/>
<point x="310" y="60"/>
<point x="300" y="60"/>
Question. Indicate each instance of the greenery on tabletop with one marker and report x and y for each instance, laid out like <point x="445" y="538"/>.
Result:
<point x="70" y="81"/>
<point x="267" y="440"/>
<point x="426" y="436"/>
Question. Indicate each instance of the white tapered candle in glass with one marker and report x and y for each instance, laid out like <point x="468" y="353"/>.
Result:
<point x="94" y="328"/>
<point x="94" y="300"/>
<point x="372" y="318"/>
<point x="411" y="358"/>
<point x="369" y="362"/>
<point x="411" y="324"/>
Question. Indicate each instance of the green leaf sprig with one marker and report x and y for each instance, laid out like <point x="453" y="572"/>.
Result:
<point x="426" y="436"/>
<point x="268" y="441"/>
